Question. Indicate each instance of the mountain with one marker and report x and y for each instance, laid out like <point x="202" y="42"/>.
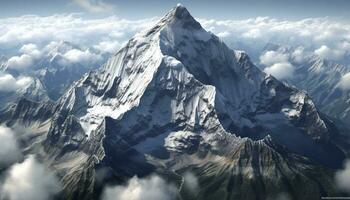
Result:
<point x="33" y="91"/>
<point x="54" y="71"/>
<point x="176" y="99"/>
<point x="320" y="78"/>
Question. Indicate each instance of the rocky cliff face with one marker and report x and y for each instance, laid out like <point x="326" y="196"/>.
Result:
<point x="176" y="98"/>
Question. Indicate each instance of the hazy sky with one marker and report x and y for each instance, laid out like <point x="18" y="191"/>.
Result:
<point x="217" y="9"/>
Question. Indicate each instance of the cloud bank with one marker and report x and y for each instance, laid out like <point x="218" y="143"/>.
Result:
<point x="30" y="180"/>
<point x="41" y="31"/>
<point x="9" y="151"/>
<point x="326" y="37"/>
<point x="152" y="187"/>
<point x="329" y="38"/>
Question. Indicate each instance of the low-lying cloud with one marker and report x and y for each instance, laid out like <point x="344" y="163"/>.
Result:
<point x="41" y="31"/>
<point x="75" y="56"/>
<point x="326" y="37"/>
<point x="22" y="62"/>
<point x="342" y="177"/>
<point x="328" y="53"/>
<point x="30" y="180"/>
<point x="191" y="182"/>
<point x="152" y="187"/>
<point x="345" y="82"/>
<point x="273" y="57"/>
<point x="8" y="83"/>
<point x="278" y="65"/>
<point x="280" y="70"/>
<point x="9" y="150"/>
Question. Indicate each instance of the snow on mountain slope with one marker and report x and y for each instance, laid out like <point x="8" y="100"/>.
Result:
<point x="245" y="98"/>
<point x="176" y="97"/>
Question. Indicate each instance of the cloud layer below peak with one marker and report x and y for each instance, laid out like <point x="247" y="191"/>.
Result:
<point x="30" y="180"/>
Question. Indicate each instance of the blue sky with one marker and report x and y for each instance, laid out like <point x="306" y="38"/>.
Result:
<point x="218" y="9"/>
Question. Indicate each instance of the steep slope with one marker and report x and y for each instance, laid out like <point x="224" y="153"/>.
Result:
<point x="176" y="98"/>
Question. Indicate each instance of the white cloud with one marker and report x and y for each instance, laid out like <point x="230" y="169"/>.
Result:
<point x="191" y="182"/>
<point x="272" y="57"/>
<point x="342" y="177"/>
<point x="152" y="187"/>
<point x="224" y="34"/>
<point x="30" y="180"/>
<point x="253" y="33"/>
<point x="280" y="70"/>
<point x="72" y="28"/>
<point x="9" y="150"/>
<point x="109" y="32"/>
<point x="23" y="81"/>
<point x="83" y="57"/>
<point x="30" y="49"/>
<point x="8" y="83"/>
<point x="327" y="53"/>
<point x="299" y="55"/>
<point x="345" y="82"/>
<point x="108" y="46"/>
<point x="311" y="33"/>
<point x="22" y="62"/>
<point x="94" y="5"/>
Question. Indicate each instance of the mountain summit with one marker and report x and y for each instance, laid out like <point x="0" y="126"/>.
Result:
<point x="174" y="99"/>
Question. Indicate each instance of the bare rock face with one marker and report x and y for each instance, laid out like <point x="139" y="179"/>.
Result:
<point x="175" y="98"/>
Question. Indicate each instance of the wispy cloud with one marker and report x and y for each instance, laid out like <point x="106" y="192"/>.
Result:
<point x="94" y="5"/>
